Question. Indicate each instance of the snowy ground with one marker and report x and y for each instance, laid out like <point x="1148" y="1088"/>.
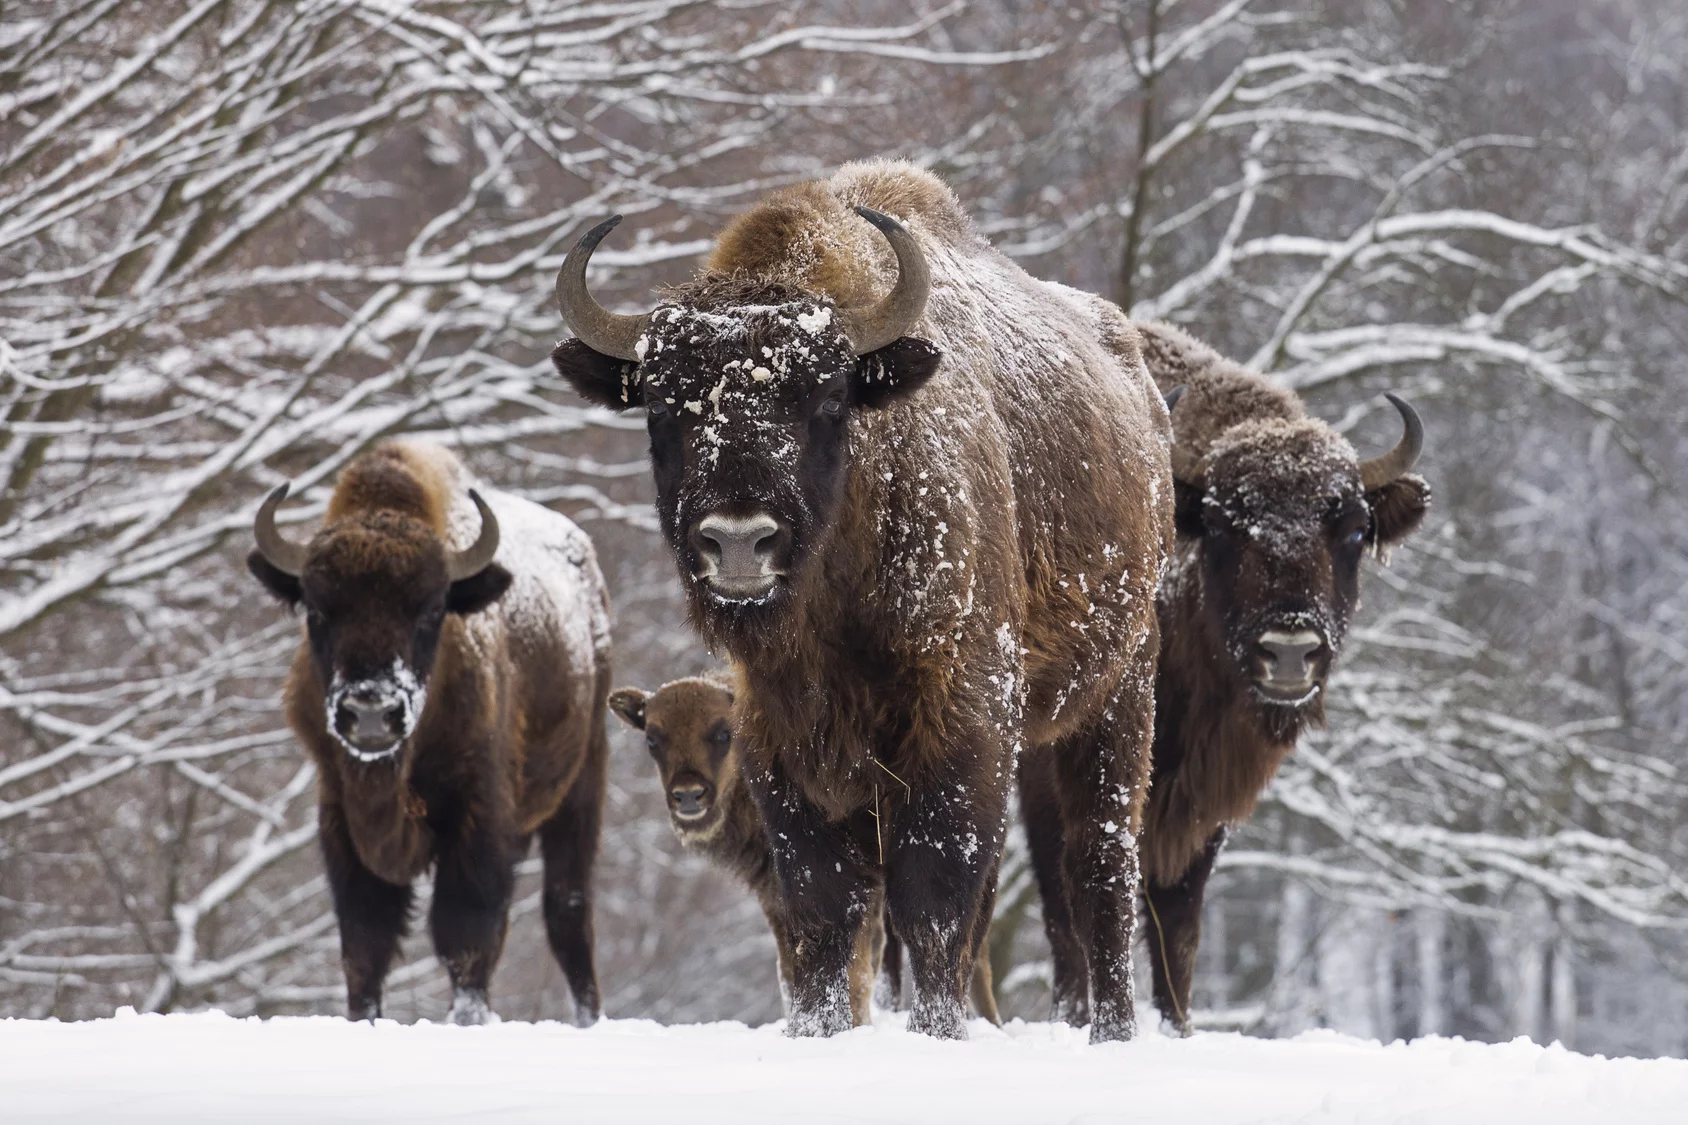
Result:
<point x="210" y="1067"/>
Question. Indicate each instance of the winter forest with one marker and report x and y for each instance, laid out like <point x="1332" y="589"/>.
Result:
<point x="241" y="241"/>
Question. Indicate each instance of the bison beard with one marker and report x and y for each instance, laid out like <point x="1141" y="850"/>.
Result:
<point x="504" y="748"/>
<point x="1274" y="512"/>
<point x="920" y="569"/>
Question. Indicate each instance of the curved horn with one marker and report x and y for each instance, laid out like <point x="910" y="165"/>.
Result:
<point x="1174" y="395"/>
<point x="1379" y="471"/>
<point x="466" y="564"/>
<point x="609" y="333"/>
<point x="871" y="328"/>
<point x="285" y="556"/>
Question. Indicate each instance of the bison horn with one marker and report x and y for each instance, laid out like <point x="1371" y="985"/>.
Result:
<point x="466" y="564"/>
<point x="285" y="556"/>
<point x="1174" y="395"/>
<point x="604" y="332"/>
<point x="1379" y="471"/>
<point x="869" y="329"/>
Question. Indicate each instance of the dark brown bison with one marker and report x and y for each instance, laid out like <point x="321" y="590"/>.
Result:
<point x="1274" y="511"/>
<point x="688" y="728"/>
<point x="922" y="499"/>
<point x="450" y="686"/>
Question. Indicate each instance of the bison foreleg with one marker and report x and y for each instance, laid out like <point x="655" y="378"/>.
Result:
<point x="1175" y="931"/>
<point x="827" y="888"/>
<point x="372" y="912"/>
<point x="1040" y="810"/>
<point x="473" y="883"/>
<point x="569" y="844"/>
<point x="947" y="842"/>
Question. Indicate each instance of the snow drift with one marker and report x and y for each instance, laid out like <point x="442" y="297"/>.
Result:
<point x="211" y="1067"/>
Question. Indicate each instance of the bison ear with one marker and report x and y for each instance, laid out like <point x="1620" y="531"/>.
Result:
<point x="479" y="590"/>
<point x="1187" y="509"/>
<point x="1397" y="509"/>
<point x="895" y="371"/>
<point x="629" y="703"/>
<point x="599" y="378"/>
<point x="278" y="582"/>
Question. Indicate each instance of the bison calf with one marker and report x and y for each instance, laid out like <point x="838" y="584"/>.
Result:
<point x="450" y="685"/>
<point x="688" y="727"/>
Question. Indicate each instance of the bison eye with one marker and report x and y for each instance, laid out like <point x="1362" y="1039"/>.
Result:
<point x="721" y="737"/>
<point x="657" y="408"/>
<point x="833" y="408"/>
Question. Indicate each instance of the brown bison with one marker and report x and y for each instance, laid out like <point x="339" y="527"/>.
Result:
<point x="922" y="500"/>
<point x="450" y="686"/>
<point x="1274" y="511"/>
<point x="688" y="729"/>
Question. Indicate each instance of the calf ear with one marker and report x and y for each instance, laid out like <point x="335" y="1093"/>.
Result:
<point x="1187" y="509"/>
<point x="895" y="371"/>
<point x="599" y="378"/>
<point x="476" y="592"/>
<point x="1397" y="509"/>
<point x="283" y="585"/>
<point x="629" y="703"/>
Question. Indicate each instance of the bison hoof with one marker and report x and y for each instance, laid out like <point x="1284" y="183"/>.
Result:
<point x="1114" y="1023"/>
<point x="940" y="1021"/>
<point x="365" y="1010"/>
<point x="469" y="1008"/>
<point x="818" y="1025"/>
<point x="584" y="1016"/>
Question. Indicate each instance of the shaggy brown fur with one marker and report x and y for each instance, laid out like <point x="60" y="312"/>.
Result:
<point x="967" y="558"/>
<point x="510" y="742"/>
<point x="1271" y="531"/>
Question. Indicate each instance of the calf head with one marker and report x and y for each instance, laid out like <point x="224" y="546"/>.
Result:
<point x="688" y="727"/>
<point x="1282" y="510"/>
<point x="749" y="388"/>
<point x="376" y="586"/>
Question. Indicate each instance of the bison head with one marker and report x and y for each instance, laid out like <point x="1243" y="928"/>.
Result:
<point x="749" y="388"/>
<point x="376" y="587"/>
<point x="1282" y="510"/>
<point x="688" y="727"/>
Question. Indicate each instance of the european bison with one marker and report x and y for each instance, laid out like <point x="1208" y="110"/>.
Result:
<point x="450" y="686"/>
<point x="1274" y="510"/>
<point x="922" y="500"/>
<point x="688" y="729"/>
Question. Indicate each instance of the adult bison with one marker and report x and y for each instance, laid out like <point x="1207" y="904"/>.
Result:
<point x="1274" y="511"/>
<point x="450" y="686"/>
<point x="923" y="500"/>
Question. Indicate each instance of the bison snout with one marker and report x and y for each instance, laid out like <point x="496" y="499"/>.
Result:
<point x="740" y="554"/>
<point x="371" y="719"/>
<point x="688" y="802"/>
<point x="1289" y="661"/>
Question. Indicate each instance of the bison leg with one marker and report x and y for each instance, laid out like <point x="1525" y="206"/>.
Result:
<point x="1040" y="809"/>
<point x="373" y="914"/>
<point x="982" y="987"/>
<point x="944" y="849"/>
<point x="826" y="888"/>
<point x="569" y="844"/>
<point x="890" y="990"/>
<point x="1175" y="932"/>
<point x="1101" y="774"/>
<point x="473" y="882"/>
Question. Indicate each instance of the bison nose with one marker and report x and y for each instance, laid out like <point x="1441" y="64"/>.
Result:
<point x="1288" y="657"/>
<point x="689" y="801"/>
<point x="738" y="552"/>
<point x="370" y="718"/>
